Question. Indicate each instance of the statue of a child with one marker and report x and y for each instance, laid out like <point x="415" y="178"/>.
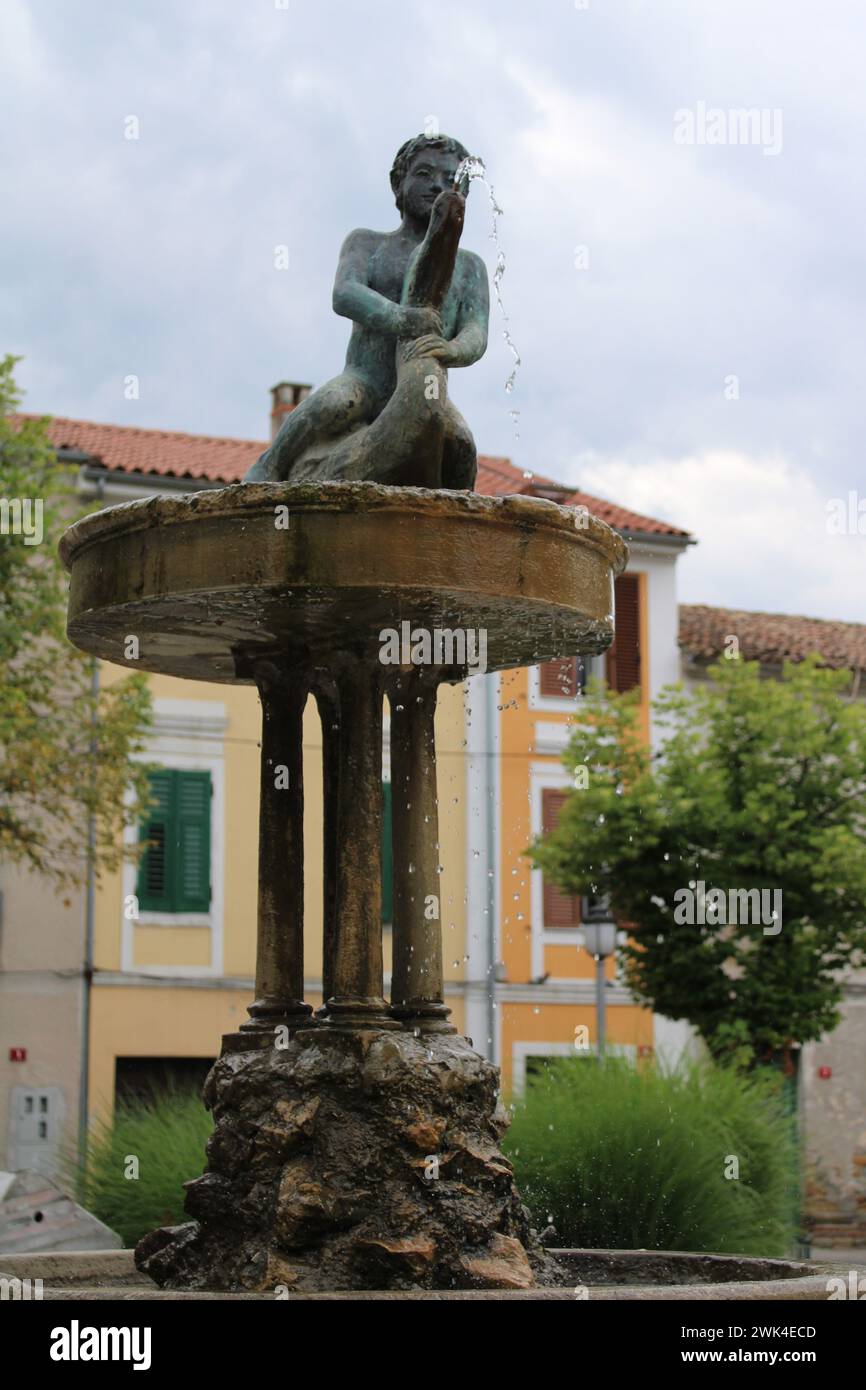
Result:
<point x="418" y="306"/>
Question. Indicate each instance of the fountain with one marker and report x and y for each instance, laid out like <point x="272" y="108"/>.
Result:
<point x="357" y="1148"/>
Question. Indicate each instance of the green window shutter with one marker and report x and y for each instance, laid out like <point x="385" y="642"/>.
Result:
<point x="154" y="872"/>
<point x="192" y="859"/>
<point x="387" y="855"/>
<point x="174" y="873"/>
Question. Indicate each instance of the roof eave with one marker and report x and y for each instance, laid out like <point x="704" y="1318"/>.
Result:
<point x="96" y="473"/>
<point x="654" y="538"/>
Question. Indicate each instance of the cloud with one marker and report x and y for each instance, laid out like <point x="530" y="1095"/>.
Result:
<point x="761" y="523"/>
<point x="263" y="126"/>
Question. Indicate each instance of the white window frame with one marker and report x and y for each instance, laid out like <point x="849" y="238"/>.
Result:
<point x="187" y="735"/>
<point x="522" y="1051"/>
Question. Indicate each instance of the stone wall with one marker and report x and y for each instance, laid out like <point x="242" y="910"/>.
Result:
<point x="834" y="1123"/>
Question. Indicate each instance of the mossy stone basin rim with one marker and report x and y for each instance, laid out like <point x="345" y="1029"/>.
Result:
<point x="208" y="580"/>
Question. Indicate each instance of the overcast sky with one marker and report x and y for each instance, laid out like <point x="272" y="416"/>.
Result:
<point x="690" y="315"/>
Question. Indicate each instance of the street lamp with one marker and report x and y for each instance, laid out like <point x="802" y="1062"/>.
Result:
<point x="599" y="939"/>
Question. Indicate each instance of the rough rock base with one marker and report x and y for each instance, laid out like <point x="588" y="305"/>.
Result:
<point x="365" y="1160"/>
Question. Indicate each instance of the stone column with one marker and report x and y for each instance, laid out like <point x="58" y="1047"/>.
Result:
<point x="329" y="717"/>
<point x="357" y="1000"/>
<point x="417" y="988"/>
<point x="280" y="942"/>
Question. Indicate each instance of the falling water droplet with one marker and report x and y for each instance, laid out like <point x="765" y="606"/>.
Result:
<point x="473" y="168"/>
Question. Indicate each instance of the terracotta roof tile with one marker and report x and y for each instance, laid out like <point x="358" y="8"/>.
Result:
<point x="170" y="453"/>
<point x="128" y="449"/>
<point x="622" y="519"/>
<point x="771" y="638"/>
<point x="498" y="475"/>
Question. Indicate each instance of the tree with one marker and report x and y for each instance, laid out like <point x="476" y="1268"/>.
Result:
<point x="66" y="747"/>
<point x="760" y="785"/>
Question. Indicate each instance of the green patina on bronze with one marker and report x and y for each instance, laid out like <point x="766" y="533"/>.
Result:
<point x="418" y="306"/>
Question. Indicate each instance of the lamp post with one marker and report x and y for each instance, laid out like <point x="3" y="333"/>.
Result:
<point x="599" y="937"/>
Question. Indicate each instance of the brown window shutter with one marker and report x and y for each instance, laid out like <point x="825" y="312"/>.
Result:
<point x="559" y="678"/>
<point x="560" y="909"/>
<point x="623" y="657"/>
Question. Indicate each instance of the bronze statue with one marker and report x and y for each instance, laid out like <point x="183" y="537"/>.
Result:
<point x="418" y="306"/>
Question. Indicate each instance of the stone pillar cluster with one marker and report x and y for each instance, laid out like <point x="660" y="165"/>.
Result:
<point x="350" y="702"/>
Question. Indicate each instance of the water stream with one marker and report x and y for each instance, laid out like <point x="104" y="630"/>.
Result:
<point x="469" y="169"/>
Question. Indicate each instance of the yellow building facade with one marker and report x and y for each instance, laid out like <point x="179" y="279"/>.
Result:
<point x="548" y="985"/>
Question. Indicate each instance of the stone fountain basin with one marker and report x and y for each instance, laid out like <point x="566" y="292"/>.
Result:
<point x="206" y="581"/>
<point x="604" y="1275"/>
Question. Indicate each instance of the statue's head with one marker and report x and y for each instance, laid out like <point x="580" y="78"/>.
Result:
<point x="422" y="168"/>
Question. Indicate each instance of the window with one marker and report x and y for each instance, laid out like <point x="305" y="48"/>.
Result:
<point x="567" y="677"/>
<point x="560" y="909"/>
<point x="387" y="856"/>
<point x="559" y="679"/>
<point x="174" y="873"/>
<point x="624" y="656"/>
<point x="542" y="1066"/>
<point x="138" y="1079"/>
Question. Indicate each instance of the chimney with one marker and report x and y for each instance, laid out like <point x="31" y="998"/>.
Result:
<point x="284" y="397"/>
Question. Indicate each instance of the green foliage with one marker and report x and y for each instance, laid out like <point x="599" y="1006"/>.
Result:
<point x="65" y="750"/>
<point x="167" y="1135"/>
<point x="761" y="784"/>
<point x="623" y="1158"/>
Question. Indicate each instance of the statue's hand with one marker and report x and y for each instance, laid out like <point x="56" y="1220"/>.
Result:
<point x="430" y="345"/>
<point x="414" y="323"/>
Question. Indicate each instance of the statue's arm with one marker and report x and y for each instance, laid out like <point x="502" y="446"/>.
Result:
<point x="354" y="299"/>
<point x="470" y="340"/>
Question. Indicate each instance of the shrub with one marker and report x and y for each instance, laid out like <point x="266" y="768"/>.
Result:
<point x="618" y="1157"/>
<point x="166" y="1135"/>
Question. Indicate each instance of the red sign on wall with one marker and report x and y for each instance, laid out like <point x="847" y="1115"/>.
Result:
<point x="18" y="1054"/>
<point x="825" y="1073"/>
